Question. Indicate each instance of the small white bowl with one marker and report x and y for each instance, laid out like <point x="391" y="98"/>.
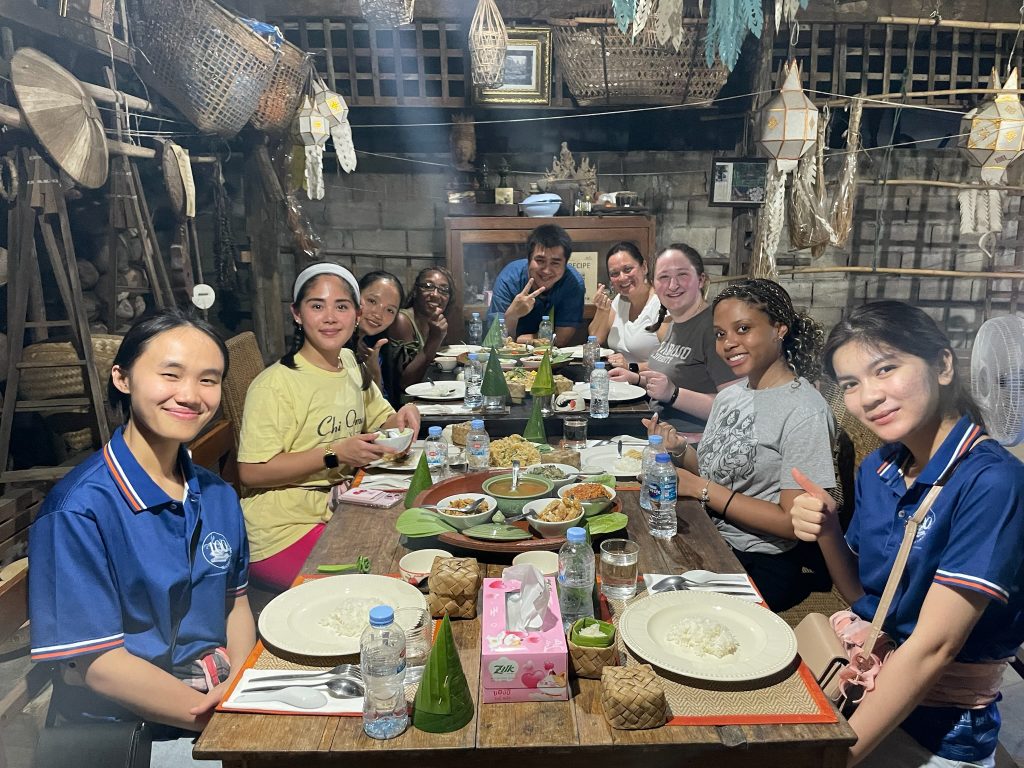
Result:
<point x="415" y="566"/>
<point x="506" y="364"/>
<point x="462" y="522"/>
<point x="570" y="471"/>
<point x="532" y="363"/>
<point x="545" y="562"/>
<point x="590" y="507"/>
<point x="446" y="363"/>
<point x="400" y="443"/>
<point x="547" y="530"/>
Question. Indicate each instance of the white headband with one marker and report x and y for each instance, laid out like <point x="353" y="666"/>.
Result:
<point x="325" y="269"/>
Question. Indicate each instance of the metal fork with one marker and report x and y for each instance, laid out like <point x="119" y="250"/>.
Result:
<point x="347" y="670"/>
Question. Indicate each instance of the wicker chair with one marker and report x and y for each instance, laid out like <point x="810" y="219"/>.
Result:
<point x="245" y="363"/>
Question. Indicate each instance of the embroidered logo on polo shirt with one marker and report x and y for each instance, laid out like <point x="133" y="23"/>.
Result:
<point x="216" y="550"/>
<point x="923" y="527"/>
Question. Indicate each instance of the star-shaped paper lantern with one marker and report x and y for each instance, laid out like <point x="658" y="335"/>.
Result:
<point x="992" y="134"/>
<point x="789" y="123"/>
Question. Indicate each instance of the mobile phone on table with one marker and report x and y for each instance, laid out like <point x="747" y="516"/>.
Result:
<point x="369" y="497"/>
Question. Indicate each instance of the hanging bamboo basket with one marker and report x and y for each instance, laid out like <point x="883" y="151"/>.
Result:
<point x="603" y="66"/>
<point x="387" y="13"/>
<point x="488" y="41"/>
<point x="280" y="100"/>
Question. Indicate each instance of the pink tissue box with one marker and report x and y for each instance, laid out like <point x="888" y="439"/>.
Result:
<point x="518" y="665"/>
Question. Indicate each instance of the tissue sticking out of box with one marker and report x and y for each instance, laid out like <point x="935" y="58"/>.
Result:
<point x="526" y="610"/>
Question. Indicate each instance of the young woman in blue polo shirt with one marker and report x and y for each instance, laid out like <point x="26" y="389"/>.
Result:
<point x="139" y="558"/>
<point x="959" y="612"/>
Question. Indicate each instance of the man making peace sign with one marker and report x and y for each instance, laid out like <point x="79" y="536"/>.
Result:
<point x="528" y="289"/>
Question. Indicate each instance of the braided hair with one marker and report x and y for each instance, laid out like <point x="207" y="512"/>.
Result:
<point x="802" y="344"/>
<point x="695" y="261"/>
<point x="299" y="334"/>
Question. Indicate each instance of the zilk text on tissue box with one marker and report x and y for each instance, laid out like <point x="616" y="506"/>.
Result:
<point x="521" y="664"/>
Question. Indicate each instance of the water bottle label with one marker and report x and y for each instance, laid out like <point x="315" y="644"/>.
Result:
<point x="654" y="491"/>
<point x="666" y="492"/>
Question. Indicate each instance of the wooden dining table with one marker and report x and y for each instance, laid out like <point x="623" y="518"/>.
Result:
<point x="520" y="734"/>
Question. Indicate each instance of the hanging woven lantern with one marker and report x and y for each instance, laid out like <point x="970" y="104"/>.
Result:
<point x="488" y="42"/>
<point x="387" y="13"/>
<point x="313" y="132"/>
<point x="992" y="135"/>
<point x="789" y="123"/>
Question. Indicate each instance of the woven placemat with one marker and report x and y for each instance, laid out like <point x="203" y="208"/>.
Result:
<point x="792" y="697"/>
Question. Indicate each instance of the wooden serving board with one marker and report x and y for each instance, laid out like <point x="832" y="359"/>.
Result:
<point x="473" y="483"/>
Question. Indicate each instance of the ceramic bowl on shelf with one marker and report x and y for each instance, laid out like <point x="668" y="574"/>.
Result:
<point x="543" y="204"/>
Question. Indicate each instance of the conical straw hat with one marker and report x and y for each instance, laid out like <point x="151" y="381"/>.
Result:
<point x="62" y="115"/>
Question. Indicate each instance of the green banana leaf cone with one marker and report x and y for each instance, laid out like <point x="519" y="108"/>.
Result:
<point x="494" y="384"/>
<point x="420" y="481"/>
<point x="534" y="431"/>
<point x="493" y="337"/>
<point x="443" y="702"/>
<point x="544" y="382"/>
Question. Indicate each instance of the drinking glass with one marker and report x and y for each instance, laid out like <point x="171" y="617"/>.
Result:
<point x="575" y="432"/>
<point x="419" y="630"/>
<point x="619" y="568"/>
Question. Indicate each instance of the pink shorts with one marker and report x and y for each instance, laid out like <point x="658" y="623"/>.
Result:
<point x="279" y="571"/>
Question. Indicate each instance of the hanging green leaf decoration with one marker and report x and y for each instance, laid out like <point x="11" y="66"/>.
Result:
<point x="544" y="381"/>
<point x="420" y="481"/>
<point x="494" y="384"/>
<point x="443" y="702"/>
<point x="493" y="337"/>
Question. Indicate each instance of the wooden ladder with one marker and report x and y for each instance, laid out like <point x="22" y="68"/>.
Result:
<point x="41" y="209"/>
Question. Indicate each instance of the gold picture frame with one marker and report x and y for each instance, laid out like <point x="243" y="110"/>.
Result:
<point x="527" y="70"/>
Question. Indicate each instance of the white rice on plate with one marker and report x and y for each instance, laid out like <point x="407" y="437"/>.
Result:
<point x="351" y="617"/>
<point x="703" y="637"/>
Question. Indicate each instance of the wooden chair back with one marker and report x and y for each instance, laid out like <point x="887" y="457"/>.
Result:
<point x="245" y="363"/>
<point x="215" y="450"/>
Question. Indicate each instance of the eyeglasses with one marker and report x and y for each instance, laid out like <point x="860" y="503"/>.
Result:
<point x="443" y="290"/>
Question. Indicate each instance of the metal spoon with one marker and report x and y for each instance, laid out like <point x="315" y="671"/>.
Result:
<point x="304" y="698"/>
<point x="515" y="475"/>
<point x="679" y="583"/>
<point x="620" y="448"/>
<point x="352" y="670"/>
<point x="468" y="510"/>
<point x="339" y="687"/>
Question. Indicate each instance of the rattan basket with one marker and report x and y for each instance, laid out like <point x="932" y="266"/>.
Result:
<point x="603" y="66"/>
<point x="281" y="98"/>
<point x="49" y="383"/>
<point x="204" y="60"/>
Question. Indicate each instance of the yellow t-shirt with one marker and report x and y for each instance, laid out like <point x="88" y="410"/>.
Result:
<point x="289" y="411"/>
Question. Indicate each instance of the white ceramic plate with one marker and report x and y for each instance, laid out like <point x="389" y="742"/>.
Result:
<point x="408" y="464"/>
<point x="454" y="350"/>
<point x="442" y="390"/>
<point x="618" y="391"/>
<point x="292" y="620"/>
<point x="766" y="643"/>
<point x="603" y="459"/>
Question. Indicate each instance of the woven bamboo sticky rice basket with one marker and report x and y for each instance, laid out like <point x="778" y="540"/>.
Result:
<point x="49" y="383"/>
<point x="204" y="60"/>
<point x="280" y="100"/>
<point x="603" y="66"/>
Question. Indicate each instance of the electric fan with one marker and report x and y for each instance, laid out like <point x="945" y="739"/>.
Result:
<point x="997" y="377"/>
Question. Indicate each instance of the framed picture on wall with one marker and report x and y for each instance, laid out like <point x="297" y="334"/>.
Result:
<point x="738" y="182"/>
<point x="527" y="70"/>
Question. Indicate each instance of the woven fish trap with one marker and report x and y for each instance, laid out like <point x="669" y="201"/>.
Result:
<point x="204" y="60"/>
<point x="488" y="42"/>
<point x="603" y="66"/>
<point x="50" y="383"/>
<point x="280" y="100"/>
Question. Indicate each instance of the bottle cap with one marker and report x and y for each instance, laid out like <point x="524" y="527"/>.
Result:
<point x="381" y="615"/>
<point x="476" y="315"/>
<point x="474" y="356"/>
<point x="434" y="431"/>
<point x="655" y="439"/>
<point x="599" y="365"/>
<point x="477" y="424"/>
<point x="591" y="338"/>
<point x="575" y="535"/>
<point x="663" y="458"/>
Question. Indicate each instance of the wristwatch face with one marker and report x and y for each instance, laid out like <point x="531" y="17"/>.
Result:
<point x="331" y="460"/>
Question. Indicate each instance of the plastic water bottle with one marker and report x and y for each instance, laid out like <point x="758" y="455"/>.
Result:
<point x="502" y="329"/>
<point x="474" y="379"/>
<point x="661" y="488"/>
<point x="651" y="452"/>
<point x="575" y="577"/>
<point x="591" y="353"/>
<point x="599" y="392"/>
<point x="437" y="454"/>
<point x="545" y="332"/>
<point x="476" y="328"/>
<point x="478" y="447"/>
<point x="382" y="662"/>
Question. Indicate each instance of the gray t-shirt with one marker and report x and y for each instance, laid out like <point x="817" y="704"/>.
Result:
<point x="688" y="357"/>
<point x="755" y="437"/>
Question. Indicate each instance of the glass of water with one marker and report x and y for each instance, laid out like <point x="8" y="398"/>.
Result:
<point x="575" y="432"/>
<point x="619" y="568"/>
<point x="418" y="628"/>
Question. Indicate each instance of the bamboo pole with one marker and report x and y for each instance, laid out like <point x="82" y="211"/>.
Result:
<point x="876" y="100"/>
<point x="1001" y="26"/>
<point x="12" y="118"/>
<point x="101" y="93"/>
<point x="884" y="271"/>
<point x="945" y="184"/>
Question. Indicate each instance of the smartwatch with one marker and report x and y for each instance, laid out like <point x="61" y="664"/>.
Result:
<point x="634" y="367"/>
<point x="331" y="458"/>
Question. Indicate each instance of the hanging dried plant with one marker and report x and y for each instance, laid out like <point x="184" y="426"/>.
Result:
<point x="488" y="41"/>
<point x="769" y="226"/>
<point x="846" y="195"/>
